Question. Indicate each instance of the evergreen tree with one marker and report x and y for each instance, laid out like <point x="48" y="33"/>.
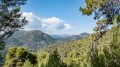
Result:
<point x="17" y="56"/>
<point x="107" y="9"/>
<point x="10" y="19"/>
<point x="54" y="60"/>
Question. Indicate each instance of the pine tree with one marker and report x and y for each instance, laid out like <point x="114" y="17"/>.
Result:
<point x="54" y="60"/>
<point x="17" y="56"/>
<point x="10" y="19"/>
<point x="107" y="9"/>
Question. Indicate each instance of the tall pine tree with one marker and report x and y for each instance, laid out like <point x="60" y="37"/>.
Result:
<point x="10" y="19"/>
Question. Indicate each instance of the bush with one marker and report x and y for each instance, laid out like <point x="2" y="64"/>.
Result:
<point x="16" y="56"/>
<point x="28" y="64"/>
<point x="50" y="60"/>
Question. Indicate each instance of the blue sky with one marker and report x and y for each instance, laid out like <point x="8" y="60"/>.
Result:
<point x="57" y="16"/>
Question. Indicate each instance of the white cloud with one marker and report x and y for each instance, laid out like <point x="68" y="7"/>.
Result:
<point x="67" y="26"/>
<point x="34" y="22"/>
<point x="45" y="24"/>
<point x="52" y="20"/>
<point x="53" y="23"/>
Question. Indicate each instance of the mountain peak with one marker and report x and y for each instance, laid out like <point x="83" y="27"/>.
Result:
<point x="34" y="39"/>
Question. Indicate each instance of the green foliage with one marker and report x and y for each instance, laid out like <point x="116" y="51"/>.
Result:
<point x="10" y="19"/>
<point x="74" y="53"/>
<point x="28" y="64"/>
<point x="49" y="59"/>
<point x="16" y="56"/>
<point x="54" y="60"/>
<point x="108" y="50"/>
<point x="92" y="5"/>
<point x="2" y="46"/>
<point x="80" y="53"/>
<point x="42" y="59"/>
<point x="73" y="59"/>
<point x="107" y="10"/>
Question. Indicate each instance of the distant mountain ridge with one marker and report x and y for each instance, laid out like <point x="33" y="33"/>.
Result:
<point x="74" y="37"/>
<point x="35" y="39"/>
<point x="85" y="53"/>
<point x="61" y="36"/>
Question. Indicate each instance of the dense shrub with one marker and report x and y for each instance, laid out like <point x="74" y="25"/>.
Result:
<point x="52" y="59"/>
<point x="16" y="56"/>
<point x="28" y="64"/>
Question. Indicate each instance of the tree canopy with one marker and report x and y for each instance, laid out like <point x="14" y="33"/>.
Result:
<point x="106" y="11"/>
<point x="10" y="17"/>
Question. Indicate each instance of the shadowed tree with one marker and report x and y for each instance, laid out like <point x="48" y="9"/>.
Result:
<point x="10" y="19"/>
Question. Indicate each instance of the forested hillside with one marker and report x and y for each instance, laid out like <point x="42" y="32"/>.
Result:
<point x="35" y="39"/>
<point x="80" y="53"/>
<point x="83" y="53"/>
<point x="32" y="40"/>
<point x="73" y="37"/>
<point x="99" y="49"/>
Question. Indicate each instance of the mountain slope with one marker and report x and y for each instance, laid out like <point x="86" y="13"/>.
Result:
<point x="81" y="53"/>
<point x="33" y="40"/>
<point x="61" y="36"/>
<point x="73" y="37"/>
<point x="78" y="53"/>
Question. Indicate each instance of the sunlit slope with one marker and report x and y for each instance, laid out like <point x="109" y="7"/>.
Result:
<point x="81" y="52"/>
<point x="73" y="45"/>
<point x="109" y="40"/>
<point x="77" y="53"/>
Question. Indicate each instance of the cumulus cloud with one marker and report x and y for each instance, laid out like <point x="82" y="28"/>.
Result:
<point x="54" y="23"/>
<point x="44" y="24"/>
<point x="52" y="20"/>
<point x="34" y="22"/>
<point x="67" y="26"/>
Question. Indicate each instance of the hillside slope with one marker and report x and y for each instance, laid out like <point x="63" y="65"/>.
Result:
<point x="74" y="37"/>
<point x="80" y="53"/>
<point x="61" y="36"/>
<point x="77" y="53"/>
<point x="33" y="40"/>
